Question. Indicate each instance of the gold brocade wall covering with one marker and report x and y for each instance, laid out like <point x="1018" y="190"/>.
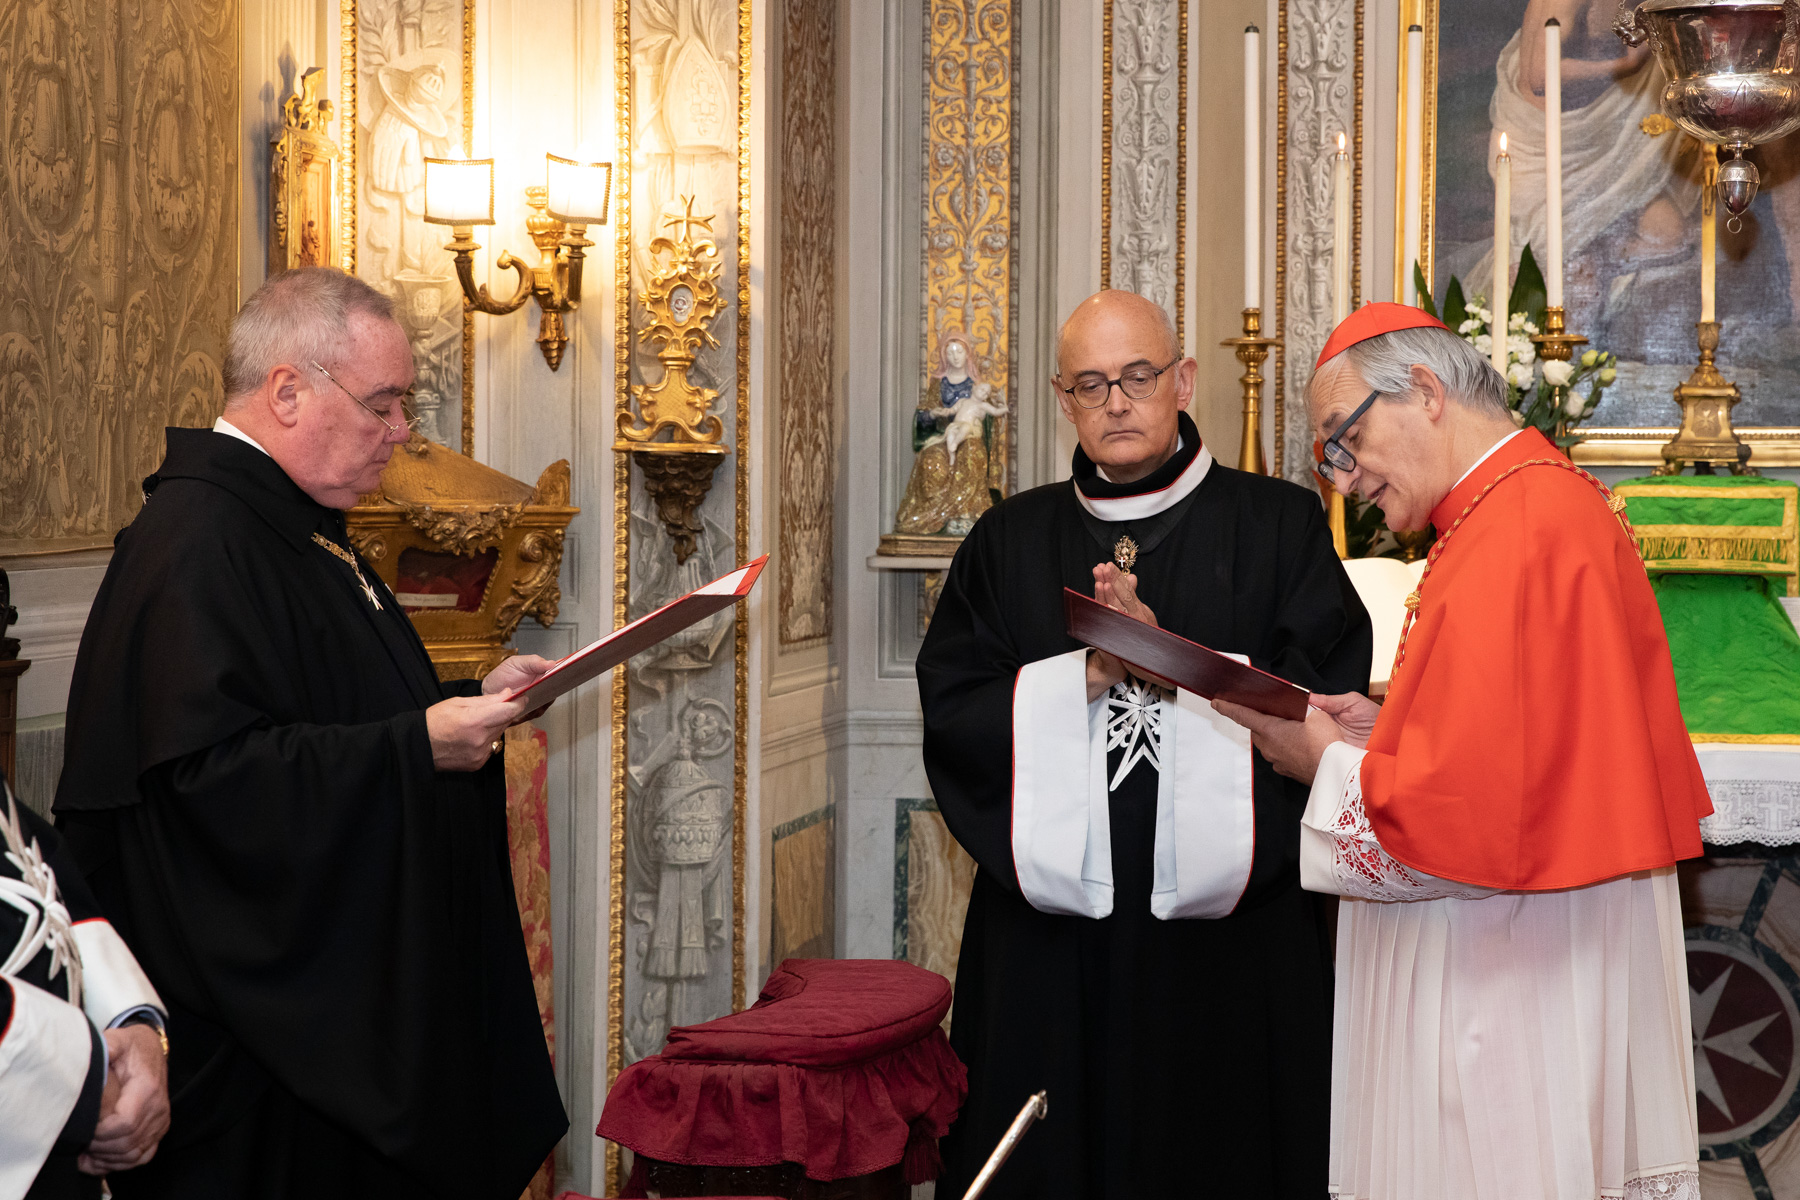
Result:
<point x="679" y="719"/>
<point x="118" y="251"/>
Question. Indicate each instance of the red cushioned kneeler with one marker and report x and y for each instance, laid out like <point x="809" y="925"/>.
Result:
<point x="841" y="1067"/>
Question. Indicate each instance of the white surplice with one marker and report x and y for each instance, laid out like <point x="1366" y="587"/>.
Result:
<point x="1499" y="1045"/>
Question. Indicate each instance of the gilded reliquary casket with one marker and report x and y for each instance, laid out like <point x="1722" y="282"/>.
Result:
<point x="468" y="551"/>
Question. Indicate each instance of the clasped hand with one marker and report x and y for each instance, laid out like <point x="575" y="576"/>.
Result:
<point x="1294" y="748"/>
<point x="464" y="729"/>
<point x="134" y="1107"/>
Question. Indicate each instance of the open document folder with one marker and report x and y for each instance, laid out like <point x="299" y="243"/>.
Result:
<point x="597" y="658"/>
<point x="1169" y="656"/>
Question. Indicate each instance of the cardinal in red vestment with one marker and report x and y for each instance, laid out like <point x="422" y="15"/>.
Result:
<point x="1511" y="1014"/>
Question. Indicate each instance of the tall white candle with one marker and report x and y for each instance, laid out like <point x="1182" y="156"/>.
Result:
<point x="1709" y="231"/>
<point x="1413" y="197"/>
<point x="1252" y="167"/>
<point x="1502" y="252"/>
<point x="1341" y="233"/>
<point x="1553" y="192"/>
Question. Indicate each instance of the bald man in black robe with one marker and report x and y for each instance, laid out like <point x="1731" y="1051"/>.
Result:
<point x="297" y="828"/>
<point x="1137" y="943"/>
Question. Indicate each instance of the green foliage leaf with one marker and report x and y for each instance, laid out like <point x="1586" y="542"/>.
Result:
<point x="1456" y="306"/>
<point x="1529" y="295"/>
<point x="1419" y="285"/>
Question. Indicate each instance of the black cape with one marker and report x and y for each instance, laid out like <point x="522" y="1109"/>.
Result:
<point x="1182" y="1057"/>
<point x="248" y="787"/>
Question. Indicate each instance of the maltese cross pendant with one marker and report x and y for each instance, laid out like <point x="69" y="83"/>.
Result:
<point x="1125" y="554"/>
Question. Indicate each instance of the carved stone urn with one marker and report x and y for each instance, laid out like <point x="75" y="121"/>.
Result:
<point x="468" y="551"/>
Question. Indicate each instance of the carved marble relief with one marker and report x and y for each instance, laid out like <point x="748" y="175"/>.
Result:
<point x="808" y="236"/>
<point x="1148" y="66"/>
<point x="683" y="783"/>
<point x="1319" y="75"/>
<point x="118" y="223"/>
<point x="970" y="262"/>
<point x="406" y="105"/>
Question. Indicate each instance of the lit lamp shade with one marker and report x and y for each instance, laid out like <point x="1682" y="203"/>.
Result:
<point x="578" y="191"/>
<point x="459" y="191"/>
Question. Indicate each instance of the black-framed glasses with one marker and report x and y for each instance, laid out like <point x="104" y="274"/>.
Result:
<point x="1337" y="458"/>
<point x="1138" y="383"/>
<point x="409" y="418"/>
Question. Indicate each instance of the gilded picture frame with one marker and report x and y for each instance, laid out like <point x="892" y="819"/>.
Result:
<point x="392" y="82"/>
<point x="1631" y="264"/>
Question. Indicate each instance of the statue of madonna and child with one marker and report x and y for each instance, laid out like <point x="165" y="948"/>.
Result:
<point x="959" y="467"/>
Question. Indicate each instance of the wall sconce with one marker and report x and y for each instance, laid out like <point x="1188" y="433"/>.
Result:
<point x="459" y="192"/>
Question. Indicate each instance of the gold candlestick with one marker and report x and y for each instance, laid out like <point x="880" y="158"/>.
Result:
<point x="1252" y="350"/>
<point x="1707" y="398"/>
<point x="1554" y="345"/>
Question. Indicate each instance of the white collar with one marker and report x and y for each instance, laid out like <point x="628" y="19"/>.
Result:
<point x="1490" y="453"/>
<point x="1148" y="504"/>
<point x="229" y="430"/>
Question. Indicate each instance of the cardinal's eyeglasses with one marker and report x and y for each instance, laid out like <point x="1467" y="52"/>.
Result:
<point x="1337" y="458"/>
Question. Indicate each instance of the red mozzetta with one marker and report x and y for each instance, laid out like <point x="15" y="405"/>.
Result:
<point x="1531" y="738"/>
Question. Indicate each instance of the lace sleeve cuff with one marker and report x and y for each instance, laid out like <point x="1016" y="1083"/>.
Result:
<point x="1339" y="853"/>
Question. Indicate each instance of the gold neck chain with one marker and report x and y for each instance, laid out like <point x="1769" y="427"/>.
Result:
<point x="1613" y="503"/>
<point x="350" y="558"/>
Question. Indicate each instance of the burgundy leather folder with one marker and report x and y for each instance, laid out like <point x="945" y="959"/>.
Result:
<point x="597" y="658"/>
<point x="1169" y="656"/>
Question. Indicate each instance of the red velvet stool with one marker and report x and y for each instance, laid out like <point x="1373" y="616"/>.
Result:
<point x="837" y="1083"/>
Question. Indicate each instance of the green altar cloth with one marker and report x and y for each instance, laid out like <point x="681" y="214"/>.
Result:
<point x="1730" y="524"/>
<point x="1720" y="550"/>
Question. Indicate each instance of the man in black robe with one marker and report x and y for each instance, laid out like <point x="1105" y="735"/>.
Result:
<point x="298" y="829"/>
<point x="1137" y="942"/>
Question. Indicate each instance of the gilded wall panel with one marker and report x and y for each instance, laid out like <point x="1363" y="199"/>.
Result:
<point x="405" y="98"/>
<point x="680" y="715"/>
<point x="808" y="240"/>
<point x="1143" y="150"/>
<point x="961" y="432"/>
<point x="118" y="218"/>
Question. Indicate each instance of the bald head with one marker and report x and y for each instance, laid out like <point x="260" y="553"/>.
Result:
<point x="1120" y="338"/>
<point x="1114" y="310"/>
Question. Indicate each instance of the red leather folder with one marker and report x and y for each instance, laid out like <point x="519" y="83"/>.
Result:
<point x="597" y="658"/>
<point x="1171" y="657"/>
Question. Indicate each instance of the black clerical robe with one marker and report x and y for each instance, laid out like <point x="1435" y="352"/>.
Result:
<point x="1137" y="942"/>
<point x="249" y="788"/>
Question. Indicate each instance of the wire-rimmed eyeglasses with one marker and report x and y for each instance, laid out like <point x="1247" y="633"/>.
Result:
<point x="409" y="419"/>
<point x="1137" y="382"/>
<point x="1337" y="458"/>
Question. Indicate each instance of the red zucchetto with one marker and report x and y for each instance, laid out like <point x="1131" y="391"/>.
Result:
<point x="1373" y="320"/>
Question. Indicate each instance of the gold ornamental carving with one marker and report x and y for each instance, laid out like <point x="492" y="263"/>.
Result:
<point x="673" y="436"/>
<point x="468" y="551"/>
<point x="303" y="200"/>
<point x="681" y="299"/>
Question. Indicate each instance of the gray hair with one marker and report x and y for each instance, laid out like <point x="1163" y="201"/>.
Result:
<point x="1385" y="363"/>
<point x="298" y="317"/>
